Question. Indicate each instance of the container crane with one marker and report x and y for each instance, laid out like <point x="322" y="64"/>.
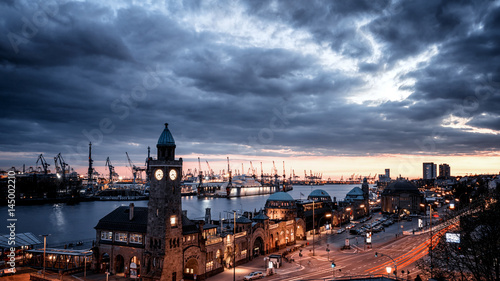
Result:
<point x="253" y="170"/>
<point x="275" y="171"/>
<point x="136" y="171"/>
<point x="44" y="163"/>
<point x="200" y="175"/>
<point x="261" y="174"/>
<point x="284" y="176"/>
<point x="132" y="168"/>
<point x="63" y="166"/>
<point x="210" y="171"/>
<point x="111" y="169"/>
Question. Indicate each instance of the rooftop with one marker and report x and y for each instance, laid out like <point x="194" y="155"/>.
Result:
<point x="119" y="220"/>
<point x="166" y="137"/>
<point x="280" y="196"/>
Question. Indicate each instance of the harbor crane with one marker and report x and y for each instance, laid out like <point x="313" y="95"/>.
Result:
<point x="275" y="171"/>
<point x="136" y="171"/>
<point x="210" y="171"/>
<point x="253" y="170"/>
<point x="230" y="183"/>
<point x="44" y="163"/>
<point x="284" y="176"/>
<point x="111" y="169"/>
<point x="200" y="175"/>
<point x="63" y="167"/>
<point x="261" y="174"/>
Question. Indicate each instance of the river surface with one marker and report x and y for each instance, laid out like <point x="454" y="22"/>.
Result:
<point x="70" y="223"/>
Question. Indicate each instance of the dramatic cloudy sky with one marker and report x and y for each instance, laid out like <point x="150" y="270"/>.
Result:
<point x="339" y="87"/>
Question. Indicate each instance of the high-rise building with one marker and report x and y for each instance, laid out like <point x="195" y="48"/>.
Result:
<point x="388" y="173"/>
<point x="444" y="170"/>
<point x="429" y="171"/>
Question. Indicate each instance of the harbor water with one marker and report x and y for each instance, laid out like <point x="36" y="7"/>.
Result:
<point x="72" y="223"/>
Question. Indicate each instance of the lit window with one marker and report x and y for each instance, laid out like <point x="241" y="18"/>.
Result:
<point x="106" y="235"/>
<point x="173" y="221"/>
<point x="121" y="237"/>
<point x="136" y="238"/>
<point x="210" y="266"/>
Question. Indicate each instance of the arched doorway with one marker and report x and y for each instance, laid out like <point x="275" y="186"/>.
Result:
<point x="105" y="262"/>
<point x="119" y="264"/>
<point x="258" y="247"/>
<point x="135" y="267"/>
<point x="191" y="269"/>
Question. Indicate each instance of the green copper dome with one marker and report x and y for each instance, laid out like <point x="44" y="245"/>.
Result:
<point x="166" y="137"/>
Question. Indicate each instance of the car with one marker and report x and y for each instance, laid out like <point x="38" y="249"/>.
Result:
<point x="7" y="271"/>
<point x="340" y="231"/>
<point x="254" y="275"/>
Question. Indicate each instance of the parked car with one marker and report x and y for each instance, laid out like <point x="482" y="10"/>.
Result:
<point x="341" y="230"/>
<point x="7" y="271"/>
<point x="254" y="275"/>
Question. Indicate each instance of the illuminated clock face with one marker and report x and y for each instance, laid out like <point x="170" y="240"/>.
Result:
<point x="159" y="174"/>
<point x="173" y="174"/>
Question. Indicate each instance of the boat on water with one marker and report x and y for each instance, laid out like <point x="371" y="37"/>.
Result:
<point x="123" y="192"/>
<point x="243" y="185"/>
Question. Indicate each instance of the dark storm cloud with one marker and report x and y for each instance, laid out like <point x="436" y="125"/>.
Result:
<point x="93" y="72"/>
<point x="330" y="22"/>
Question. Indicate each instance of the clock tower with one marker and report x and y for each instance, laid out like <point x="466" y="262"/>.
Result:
<point x="163" y="253"/>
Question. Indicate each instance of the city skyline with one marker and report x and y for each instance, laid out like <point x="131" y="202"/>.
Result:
<point x="336" y="88"/>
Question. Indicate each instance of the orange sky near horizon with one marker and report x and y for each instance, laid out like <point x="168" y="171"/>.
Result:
<point x="335" y="167"/>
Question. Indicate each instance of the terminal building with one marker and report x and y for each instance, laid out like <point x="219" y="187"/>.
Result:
<point x="401" y="196"/>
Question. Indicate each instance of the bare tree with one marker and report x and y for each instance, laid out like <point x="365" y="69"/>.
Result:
<point x="477" y="256"/>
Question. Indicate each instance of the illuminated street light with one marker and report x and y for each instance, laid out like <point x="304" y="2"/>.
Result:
<point x="389" y="268"/>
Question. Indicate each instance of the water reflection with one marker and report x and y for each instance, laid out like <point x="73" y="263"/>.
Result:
<point x="76" y="222"/>
<point x="56" y="218"/>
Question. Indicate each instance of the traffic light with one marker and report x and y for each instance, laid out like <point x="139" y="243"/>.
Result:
<point x="333" y="265"/>
<point x="376" y="254"/>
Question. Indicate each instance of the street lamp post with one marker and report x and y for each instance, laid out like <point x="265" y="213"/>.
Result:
<point x="388" y="268"/>
<point x="44" y="251"/>
<point x="314" y="229"/>
<point x="333" y="270"/>
<point x="328" y="251"/>
<point x="328" y="215"/>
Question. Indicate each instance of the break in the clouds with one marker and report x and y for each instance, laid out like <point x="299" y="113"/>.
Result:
<point x="265" y="78"/>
